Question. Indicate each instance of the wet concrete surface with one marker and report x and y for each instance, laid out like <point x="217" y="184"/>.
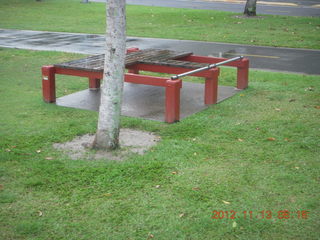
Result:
<point x="266" y="58"/>
<point x="282" y="7"/>
<point x="147" y="102"/>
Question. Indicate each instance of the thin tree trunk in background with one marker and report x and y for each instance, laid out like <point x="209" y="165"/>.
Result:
<point x="250" y="8"/>
<point x="107" y="136"/>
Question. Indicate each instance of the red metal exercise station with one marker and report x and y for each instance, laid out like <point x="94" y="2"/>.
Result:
<point x="151" y="60"/>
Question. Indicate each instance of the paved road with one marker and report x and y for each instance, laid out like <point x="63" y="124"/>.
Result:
<point x="266" y="58"/>
<point x="274" y="7"/>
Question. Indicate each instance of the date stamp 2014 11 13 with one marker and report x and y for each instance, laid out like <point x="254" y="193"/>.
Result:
<point x="264" y="214"/>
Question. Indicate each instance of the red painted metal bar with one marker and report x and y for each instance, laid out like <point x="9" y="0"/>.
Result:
<point x="78" y="73"/>
<point x="167" y="69"/>
<point x="147" y="80"/>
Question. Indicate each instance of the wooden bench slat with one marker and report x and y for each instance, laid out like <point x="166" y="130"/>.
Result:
<point x="96" y="63"/>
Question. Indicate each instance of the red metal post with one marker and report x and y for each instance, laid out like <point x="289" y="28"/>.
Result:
<point x="48" y="84"/>
<point x="133" y="70"/>
<point x="211" y="87"/>
<point x="94" y="83"/>
<point x="243" y="74"/>
<point x="172" y="112"/>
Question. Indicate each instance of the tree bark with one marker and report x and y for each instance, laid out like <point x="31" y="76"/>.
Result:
<point x="107" y="136"/>
<point x="250" y="8"/>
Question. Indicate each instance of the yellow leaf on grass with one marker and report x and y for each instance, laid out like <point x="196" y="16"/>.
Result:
<point x="225" y="202"/>
<point x="234" y="224"/>
<point x="271" y="139"/>
<point x="107" y="194"/>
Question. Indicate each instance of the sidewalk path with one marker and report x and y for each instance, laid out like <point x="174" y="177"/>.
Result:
<point x="266" y="58"/>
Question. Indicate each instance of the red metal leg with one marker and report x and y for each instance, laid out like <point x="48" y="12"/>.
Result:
<point x="48" y="84"/>
<point x="211" y="87"/>
<point x="133" y="70"/>
<point x="94" y="83"/>
<point x="243" y="74"/>
<point x="172" y="113"/>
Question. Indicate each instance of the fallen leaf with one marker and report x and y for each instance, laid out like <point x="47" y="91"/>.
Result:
<point x="8" y="150"/>
<point x="13" y="146"/>
<point x="257" y="128"/>
<point x="49" y="158"/>
<point x="195" y="154"/>
<point x="287" y="139"/>
<point x="38" y="151"/>
<point x="234" y="224"/>
<point x="271" y="139"/>
<point x="225" y="202"/>
<point x="174" y="173"/>
<point x="317" y="107"/>
<point x="40" y="213"/>
<point x="278" y="109"/>
<point x="181" y="215"/>
<point x="196" y="188"/>
<point x="296" y="167"/>
<point x="107" y="194"/>
<point x="150" y="236"/>
<point x="194" y="139"/>
<point x="157" y="186"/>
<point x="1" y="187"/>
<point x="242" y="95"/>
<point x="240" y="140"/>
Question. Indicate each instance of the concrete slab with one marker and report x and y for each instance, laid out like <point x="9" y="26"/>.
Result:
<point x="147" y="102"/>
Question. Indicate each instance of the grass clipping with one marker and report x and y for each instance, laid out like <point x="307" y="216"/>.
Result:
<point x="131" y="141"/>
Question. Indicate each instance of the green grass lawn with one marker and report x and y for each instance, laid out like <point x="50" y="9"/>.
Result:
<point x="258" y="151"/>
<point x="203" y="25"/>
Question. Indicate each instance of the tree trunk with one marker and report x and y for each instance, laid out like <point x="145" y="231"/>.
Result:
<point x="107" y="136"/>
<point x="250" y="8"/>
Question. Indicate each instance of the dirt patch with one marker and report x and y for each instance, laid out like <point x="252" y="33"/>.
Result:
<point x="131" y="141"/>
